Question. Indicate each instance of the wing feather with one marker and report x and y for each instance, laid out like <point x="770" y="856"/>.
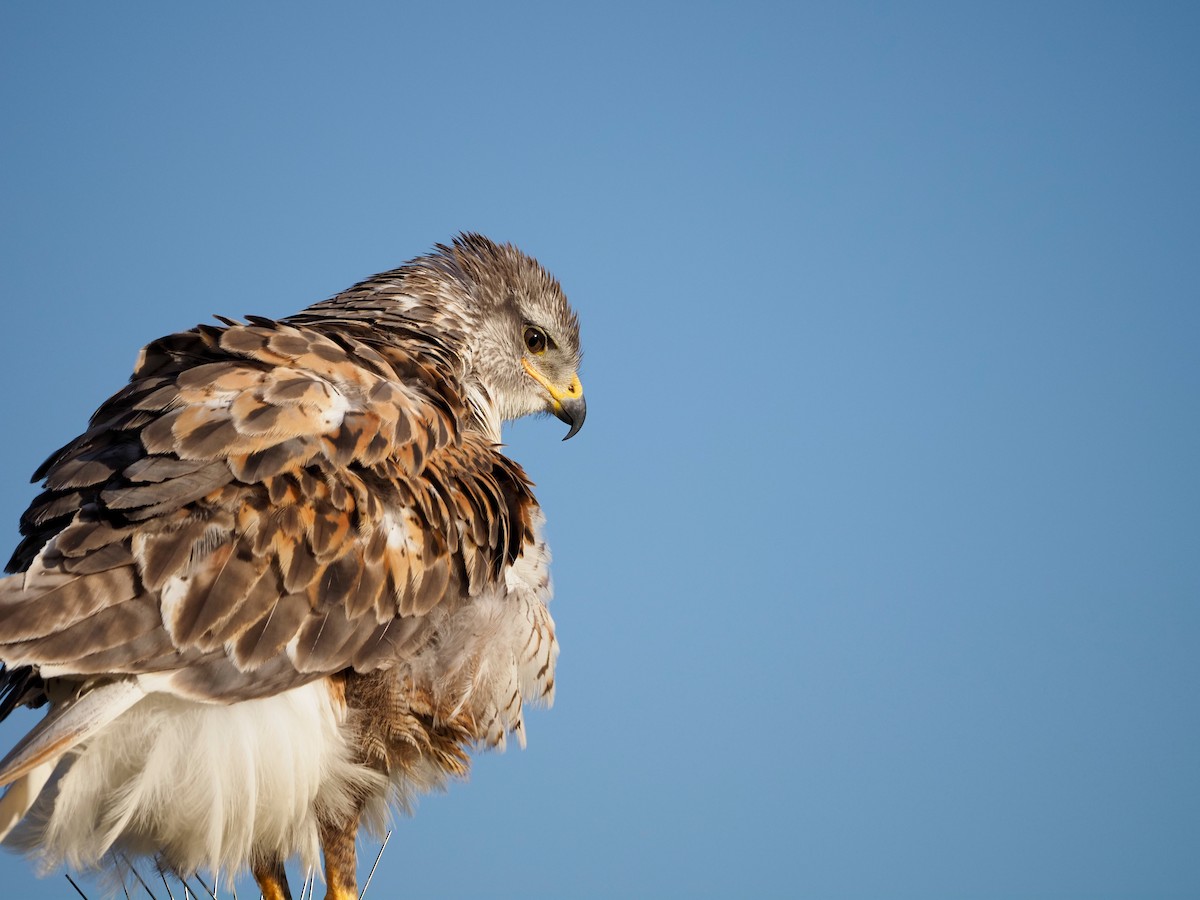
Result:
<point x="265" y="503"/>
<point x="266" y="638"/>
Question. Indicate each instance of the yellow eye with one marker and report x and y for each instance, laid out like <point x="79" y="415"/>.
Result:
<point x="536" y="340"/>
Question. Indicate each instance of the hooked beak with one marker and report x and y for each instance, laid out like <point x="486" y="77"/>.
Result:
<point x="567" y="404"/>
<point x="572" y="410"/>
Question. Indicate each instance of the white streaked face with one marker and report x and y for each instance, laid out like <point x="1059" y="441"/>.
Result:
<point x="527" y="356"/>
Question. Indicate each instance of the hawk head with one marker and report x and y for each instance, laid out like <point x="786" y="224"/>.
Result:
<point x="521" y="336"/>
<point x="496" y="310"/>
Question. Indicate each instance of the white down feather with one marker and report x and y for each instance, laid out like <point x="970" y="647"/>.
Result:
<point x="201" y="786"/>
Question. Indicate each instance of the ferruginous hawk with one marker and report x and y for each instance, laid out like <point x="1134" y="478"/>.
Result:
<point x="287" y="576"/>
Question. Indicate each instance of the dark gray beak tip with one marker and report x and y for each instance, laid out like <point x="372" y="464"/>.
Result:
<point x="573" y="412"/>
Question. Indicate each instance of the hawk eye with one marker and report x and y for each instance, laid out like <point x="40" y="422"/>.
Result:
<point x="536" y="340"/>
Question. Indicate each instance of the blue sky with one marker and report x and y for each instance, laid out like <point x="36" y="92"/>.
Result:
<point x="878" y="561"/>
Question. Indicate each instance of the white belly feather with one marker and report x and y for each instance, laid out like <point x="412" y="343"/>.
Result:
<point x="199" y="785"/>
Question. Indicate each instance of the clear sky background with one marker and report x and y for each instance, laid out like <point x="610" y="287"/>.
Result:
<point x="878" y="561"/>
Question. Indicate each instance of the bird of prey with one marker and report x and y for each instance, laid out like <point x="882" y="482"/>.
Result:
<point x="287" y="576"/>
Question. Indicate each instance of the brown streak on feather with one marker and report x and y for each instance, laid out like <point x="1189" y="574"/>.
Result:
<point x="149" y="652"/>
<point x="82" y="537"/>
<point x="234" y="581"/>
<point x="110" y="556"/>
<point x="263" y="640"/>
<point x="63" y="601"/>
<point x="157" y="469"/>
<point x="158" y="436"/>
<point x="266" y="463"/>
<point x="256" y="604"/>
<point x="172" y="494"/>
<point x="49" y="508"/>
<point x="109" y="627"/>
<point x="168" y="552"/>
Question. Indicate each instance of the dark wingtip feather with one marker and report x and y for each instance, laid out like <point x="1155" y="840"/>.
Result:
<point x="20" y="687"/>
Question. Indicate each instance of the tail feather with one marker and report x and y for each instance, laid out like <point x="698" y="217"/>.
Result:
<point x="67" y="724"/>
<point x="21" y="794"/>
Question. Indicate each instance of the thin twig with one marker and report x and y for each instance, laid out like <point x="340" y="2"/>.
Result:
<point x="310" y="881"/>
<point x="211" y="892"/>
<point x="138" y="876"/>
<point x="387" y="837"/>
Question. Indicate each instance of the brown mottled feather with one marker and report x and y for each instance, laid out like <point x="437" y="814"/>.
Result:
<point x="241" y="487"/>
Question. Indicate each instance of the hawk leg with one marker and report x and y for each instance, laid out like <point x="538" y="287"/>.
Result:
<point x="272" y="880"/>
<point x="341" y="860"/>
